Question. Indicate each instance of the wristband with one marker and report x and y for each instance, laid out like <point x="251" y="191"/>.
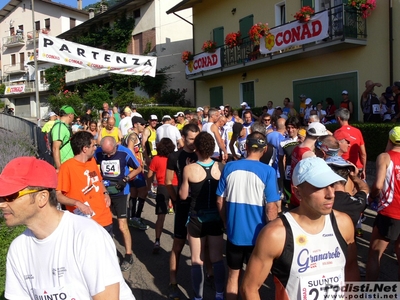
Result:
<point x="126" y="178"/>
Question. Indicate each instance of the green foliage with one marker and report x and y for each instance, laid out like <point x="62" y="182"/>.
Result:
<point x="55" y="77"/>
<point x="174" y="97"/>
<point x="71" y="98"/>
<point x="2" y="89"/>
<point x="124" y="83"/>
<point x="95" y="95"/>
<point x="114" y="38"/>
<point x="154" y="85"/>
<point x="129" y="98"/>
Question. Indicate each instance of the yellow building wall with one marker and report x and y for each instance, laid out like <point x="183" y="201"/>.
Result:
<point x="276" y="82"/>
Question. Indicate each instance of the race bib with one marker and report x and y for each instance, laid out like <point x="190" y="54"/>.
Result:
<point x="110" y="168"/>
<point x="327" y="285"/>
<point x="376" y="109"/>
<point x="153" y="145"/>
<point x="288" y="173"/>
<point x="52" y="293"/>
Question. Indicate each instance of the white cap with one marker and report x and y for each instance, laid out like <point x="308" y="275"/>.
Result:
<point x="221" y="107"/>
<point x="308" y="101"/>
<point x="52" y="114"/>
<point x="153" y="117"/>
<point x="345" y="92"/>
<point x="166" y="117"/>
<point x="244" y="104"/>
<point x="317" y="129"/>
<point x="179" y="114"/>
<point x="200" y="109"/>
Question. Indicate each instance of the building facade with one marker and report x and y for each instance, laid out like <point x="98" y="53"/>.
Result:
<point x="155" y="33"/>
<point x="18" y="31"/>
<point x="355" y="50"/>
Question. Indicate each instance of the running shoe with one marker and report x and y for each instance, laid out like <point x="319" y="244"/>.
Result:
<point x="156" y="247"/>
<point x="173" y="291"/>
<point x="138" y="223"/>
<point x="126" y="264"/>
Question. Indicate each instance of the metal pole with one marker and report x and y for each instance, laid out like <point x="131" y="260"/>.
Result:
<point x="36" y="64"/>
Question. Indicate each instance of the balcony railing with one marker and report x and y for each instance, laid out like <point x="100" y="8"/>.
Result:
<point x="31" y="35"/>
<point x="14" y="68"/>
<point x="345" y="26"/>
<point x="29" y="85"/>
<point x="13" y="41"/>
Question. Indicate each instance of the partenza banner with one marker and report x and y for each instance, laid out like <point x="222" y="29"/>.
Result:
<point x="14" y="89"/>
<point x="63" y="52"/>
<point x="204" y="61"/>
<point x="296" y="33"/>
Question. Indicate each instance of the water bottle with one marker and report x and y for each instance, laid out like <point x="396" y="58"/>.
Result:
<point x="154" y="186"/>
<point x="106" y="183"/>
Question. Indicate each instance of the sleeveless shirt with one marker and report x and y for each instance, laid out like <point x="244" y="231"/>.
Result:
<point x="310" y="262"/>
<point x="114" y="133"/>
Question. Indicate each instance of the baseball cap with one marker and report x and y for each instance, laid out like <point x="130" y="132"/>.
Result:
<point x="308" y="101"/>
<point x="26" y="171"/>
<point x="199" y="109"/>
<point x="340" y="162"/>
<point x="342" y="135"/>
<point x="394" y="135"/>
<point x="278" y="107"/>
<point x="302" y="132"/>
<point x="179" y="114"/>
<point x="68" y="109"/>
<point x="52" y="114"/>
<point x="389" y="91"/>
<point x="136" y="119"/>
<point x="187" y="112"/>
<point x="127" y="110"/>
<point x="317" y="129"/>
<point x="256" y="143"/>
<point x="345" y="92"/>
<point x="244" y="104"/>
<point x="153" y="117"/>
<point x="397" y="84"/>
<point x="166" y="117"/>
<point x="315" y="171"/>
<point x="302" y="96"/>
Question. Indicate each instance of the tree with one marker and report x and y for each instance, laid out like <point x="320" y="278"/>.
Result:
<point x="55" y="77"/>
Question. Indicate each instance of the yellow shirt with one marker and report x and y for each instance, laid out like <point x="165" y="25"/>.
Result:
<point x="114" y="133"/>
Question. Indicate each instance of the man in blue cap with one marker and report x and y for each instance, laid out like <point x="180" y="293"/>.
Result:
<point x="308" y="242"/>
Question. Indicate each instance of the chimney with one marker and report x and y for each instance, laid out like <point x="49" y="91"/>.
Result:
<point x="79" y="4"/>
<point x="91" y="13"/>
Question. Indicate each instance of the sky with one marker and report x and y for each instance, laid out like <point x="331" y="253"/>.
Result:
<point x="73" y="3"/>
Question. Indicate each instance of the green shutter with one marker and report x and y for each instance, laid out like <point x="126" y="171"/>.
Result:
<point x="308" y="3"/>
<point x="218" y="36"/>
<point x="248" y="93"/>
<point x="216" y="96"/>
<point x="245" y="25"/>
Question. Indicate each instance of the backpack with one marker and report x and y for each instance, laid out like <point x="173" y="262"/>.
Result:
<point x="49" y="140"/>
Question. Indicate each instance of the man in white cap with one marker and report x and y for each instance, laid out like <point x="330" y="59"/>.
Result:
<point x="307" y="110"/>
<point x="49" y="124"/>
<point x="60" y="255"/>
<point x="244" y="106"/>
<point x="346" y="103"/>
<point x="200" y="113"/>
<point x="306" y="149"/>
<point x="180" y="120"/>
<point x="167" y="130"/>
<point x="307" y="243"/>
<point x="126" y="123"/>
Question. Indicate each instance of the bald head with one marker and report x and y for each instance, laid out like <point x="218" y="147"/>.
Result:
<point x="108" y="145"/>
<point x="280" y="124"/>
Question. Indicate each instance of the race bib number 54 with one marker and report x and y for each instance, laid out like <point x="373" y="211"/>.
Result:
<point x="111" y="168"/>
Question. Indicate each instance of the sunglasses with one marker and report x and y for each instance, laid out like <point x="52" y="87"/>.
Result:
<point x="267" y="120"/>
<point x="15" y="196"/>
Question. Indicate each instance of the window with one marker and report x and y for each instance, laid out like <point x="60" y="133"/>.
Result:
<point x="216" y="96"/>
<point x="136" y="13"/>
<point x="13" y="59"/>
<point x="218" y="36"/>
<point x="47" y="23"/>
<point x="280" y="13"/>
<point x="247" y="93"/>
<point x="37" y="25"/>
<point x="245" y="25"/>
<point x="72" y="23"/>
<point x="22" y="58"/>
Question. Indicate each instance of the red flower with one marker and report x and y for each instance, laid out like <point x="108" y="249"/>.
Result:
<point x="209" y="46"/>
<point x="233" y="39"/>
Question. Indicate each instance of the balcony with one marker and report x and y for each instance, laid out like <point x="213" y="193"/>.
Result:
<point x="347" y="29"/>
<point x="17" y="68"/>
<point x="13" y="41"/>
<point x="31" y="35"/>
<point x="29" y="86"/>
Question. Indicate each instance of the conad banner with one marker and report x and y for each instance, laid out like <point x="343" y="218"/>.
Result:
<point x="296" y="33"/>
<point x="14" y="89"/>
<point x="204" y="61"/>
<point x="63" y="52"/>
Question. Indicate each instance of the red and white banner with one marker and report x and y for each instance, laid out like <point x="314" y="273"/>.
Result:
<point x="15" y="89"/>
<point x="296" y="33"/>
<point x="64" y="52"/>
<point x="203" y="62"/>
